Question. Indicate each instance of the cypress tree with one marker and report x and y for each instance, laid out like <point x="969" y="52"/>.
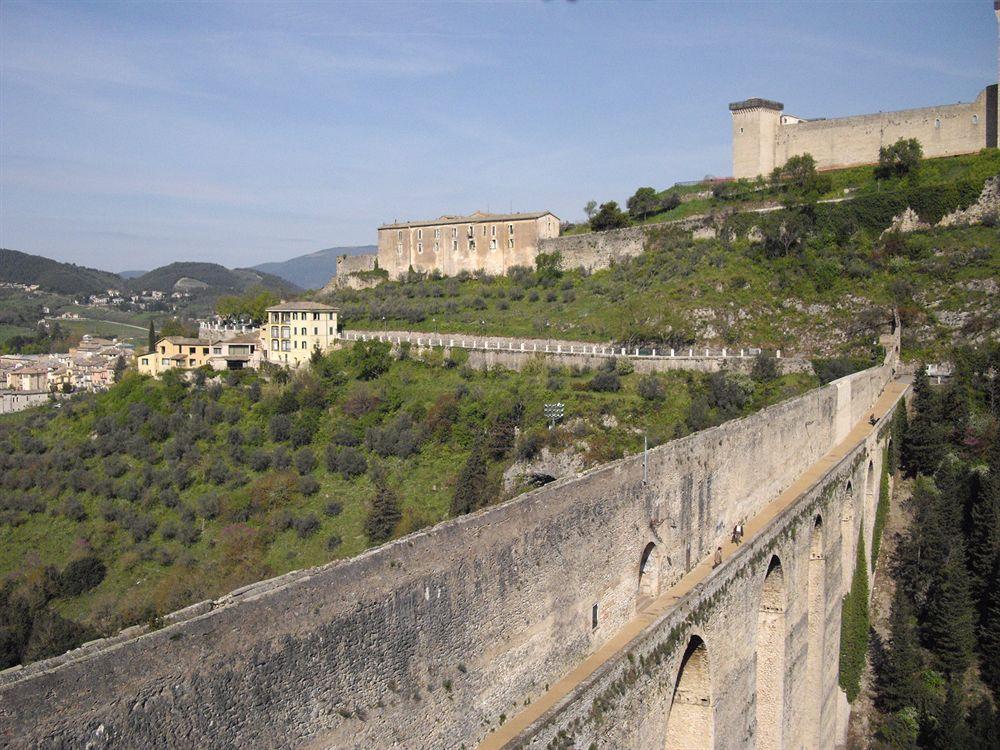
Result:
<point x="951" y="731"/>
<point x="984" y="727"/>
<point x="152" y="336"/>
<point x="898" y="680"/>
<point x="384" y="514"/>
<point x="899" y="425"/>
<point x="471" y="484"/>
<point x="984" y="531"/>
<point x="949" y="621"/>
<point x="854" y="625"/>
<point x="925" y="435"/>
<point x="989" y="632"/>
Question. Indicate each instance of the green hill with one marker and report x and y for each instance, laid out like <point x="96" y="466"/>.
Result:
<point x="209" y="278"/>
<point x="54" y="276"/>
<point x="314" y="270"/>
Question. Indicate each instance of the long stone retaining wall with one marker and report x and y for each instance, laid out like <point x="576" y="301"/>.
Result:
<point x="432" y="640"/>
<point x="514" y="353"/>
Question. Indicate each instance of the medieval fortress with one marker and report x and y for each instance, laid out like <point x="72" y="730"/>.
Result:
<point x="764" y="137"/>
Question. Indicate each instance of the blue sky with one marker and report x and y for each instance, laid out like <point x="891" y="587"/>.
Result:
<point x="136" y="134"/>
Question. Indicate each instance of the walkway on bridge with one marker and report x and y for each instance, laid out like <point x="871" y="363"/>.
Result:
<point x="653" y="610"/>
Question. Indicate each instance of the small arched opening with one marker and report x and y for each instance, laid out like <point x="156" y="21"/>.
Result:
<point x="691" y="723"/>
<point x="770" y="686"/>
<point x="816" y="637"/>
<point x="649" y="573"/>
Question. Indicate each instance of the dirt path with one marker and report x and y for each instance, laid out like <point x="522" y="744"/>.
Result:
<point x="651" y="613"/>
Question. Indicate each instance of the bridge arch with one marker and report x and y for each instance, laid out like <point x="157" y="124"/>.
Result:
<point x="848" y="535"/>
<point x="871" y="500"/>
<point x="816" y="643"/>
<point x="691" y="721"/>
<point x="649" y="572"/>
<point x="771" y="636"/>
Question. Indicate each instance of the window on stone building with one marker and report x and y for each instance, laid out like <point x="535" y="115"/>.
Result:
<point x="420" y="247"/>
<point x="975" y="119"/>
<point x="399" y="234"/>
<point x="216" y="350"/>
<point x="315" y="331"/>
<point x="399" y="248"/>
<point x="454" y="246"/>
<point x="484" y="230"/>
<point x="937" y="122"/>
<point x="437" y="233"/>
<point x="593" y="618"/>
<point x="274" y="344"/>
<point x="493" y="230"/>
<point x="454" y="231"/>
<point x="420" y="234"/>
<point x="472" y="245"/>
<point x="437" y="246"/>
<point x="493" y="244"/>
<point x="470" y="230"/>
<point x="510" y="244"/>
<point x="510" y="229"/>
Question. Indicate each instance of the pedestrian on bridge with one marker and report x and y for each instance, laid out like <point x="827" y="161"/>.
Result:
<point x="717" y="560"/>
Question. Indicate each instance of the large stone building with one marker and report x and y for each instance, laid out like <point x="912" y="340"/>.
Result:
<point x="764" y="137"/>
<point x="295" y="329"/>
<point x="493" y="243"/>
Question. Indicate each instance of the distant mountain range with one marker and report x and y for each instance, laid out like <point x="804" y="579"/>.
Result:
<point x="208" y="279"/>
<point x="314" y="270"/>
<point x="131" y="274"/>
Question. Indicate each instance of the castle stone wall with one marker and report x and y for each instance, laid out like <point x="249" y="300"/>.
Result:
<point x="347" y="264"/>
<point x="431" y="640"/>
<point x="763" y="138"/>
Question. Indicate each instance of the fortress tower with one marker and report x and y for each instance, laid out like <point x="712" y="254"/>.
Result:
<point x="764" y="137"/>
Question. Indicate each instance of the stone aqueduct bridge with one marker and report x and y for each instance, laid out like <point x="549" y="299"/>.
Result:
<point x="583" y="614"/>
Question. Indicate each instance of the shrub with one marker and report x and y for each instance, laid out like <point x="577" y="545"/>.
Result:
<point x="218" y="472"/>
<point x="332" y="542"/>
<point x="280" y="427"/>
<point x="260" y="460"/>
<point x="73" y="509"/>
<point x="651" y="388"/>
<point x="530" y="445"/>
<point x="370" y="358"/>
<point x="308" y="485"/>
<point x="281" y="459"/>
<point x="305" y="460"/>
<point x="609" y="216"/>
<point x="624" y="366"/>
<point x="765" y="368"/>
<point x="605" y="382"/>
<point x="208" y="505"/>
<point x="81" y="575"/>
<point x="306" y="525"/>
<point x="384" y="513"/>
<point x="401" y="437"/>
<point x="349" y="462"/>
<point x="333" y="508"/>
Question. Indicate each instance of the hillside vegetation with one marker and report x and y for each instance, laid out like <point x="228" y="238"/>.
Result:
<point x="219" y="279"/>
<point x="827" y="298"/>
<point x="51" y="275"/>
<point x="122" y="506"/>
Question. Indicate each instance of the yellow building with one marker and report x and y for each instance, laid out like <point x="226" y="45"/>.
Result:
<point x="178" y="352"/>
<point x="295" y="329"/>
<point x="175" y="352"/>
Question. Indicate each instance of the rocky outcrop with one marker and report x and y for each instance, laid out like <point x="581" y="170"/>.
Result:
<point x="986" y="209"/>
<point x="908" y="221"/>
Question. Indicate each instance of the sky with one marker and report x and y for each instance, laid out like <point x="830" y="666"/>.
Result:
<point x="137" y="134"/>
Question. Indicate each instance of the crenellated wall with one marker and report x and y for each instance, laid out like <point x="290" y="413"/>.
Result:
<point x="434" y="639"/>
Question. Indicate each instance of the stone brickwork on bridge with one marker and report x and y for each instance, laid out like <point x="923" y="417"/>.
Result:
<point x="433" y="640"/>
